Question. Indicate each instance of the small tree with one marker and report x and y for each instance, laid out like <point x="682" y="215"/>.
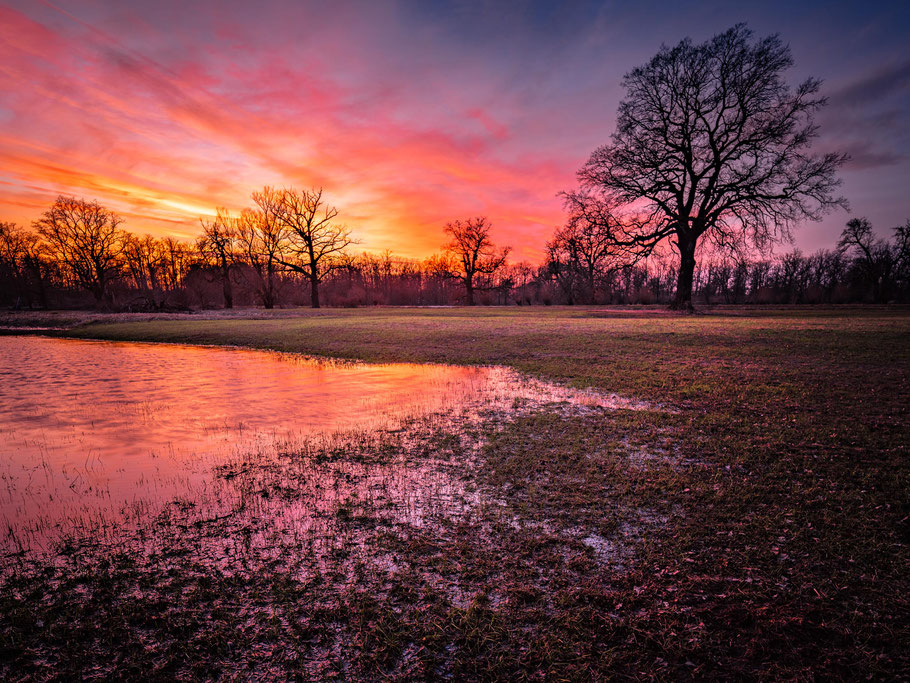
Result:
<point x="84" y="237"/>
<point x="264" y="246"/>
<point x="218" y="248"/>
<point x="711" y="143"/>
<point x="586" y="250"/>
<point x="473" y="252"/>
<point x="560" y="269"/>
<point x="156" y="266"/>
<point x="315" y="240"/>
<point x="177" y="257"/>
<point x="21" y="255"/>
<point x="142" y="260"/>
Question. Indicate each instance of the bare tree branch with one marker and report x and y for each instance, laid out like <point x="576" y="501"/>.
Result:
<point x="86" y="238"/>
<point x="473" y="252"/>
<point x="710" y="140"/>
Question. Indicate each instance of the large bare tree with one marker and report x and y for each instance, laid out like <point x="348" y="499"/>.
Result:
<point x="473" y="252"/>
<point x="85" y="237"/>
<point x="316" y="240"/>
<point x="710" y="143"/>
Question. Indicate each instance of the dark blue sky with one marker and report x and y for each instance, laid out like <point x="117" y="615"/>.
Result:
<point x="860" y="50"/>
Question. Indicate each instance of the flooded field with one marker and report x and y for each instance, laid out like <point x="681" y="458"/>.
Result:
<point x="235" y="513"/>
<point x="99" y="437"/>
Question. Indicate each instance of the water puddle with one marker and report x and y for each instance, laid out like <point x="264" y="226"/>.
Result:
<point x="98" y="437"/>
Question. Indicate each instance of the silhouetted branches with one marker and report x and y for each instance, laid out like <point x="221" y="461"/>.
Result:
<point x="473" y="253"/>
<point x="261" y="256"/>
<point x="218" y="248"/>
<point x="314" y="241"/>
<point x="263" y="242"/>
<point x="84" y="238"/>
<point x="710" y="141"/>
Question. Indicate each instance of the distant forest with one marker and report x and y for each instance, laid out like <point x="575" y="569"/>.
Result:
<point x="77" y="256"/>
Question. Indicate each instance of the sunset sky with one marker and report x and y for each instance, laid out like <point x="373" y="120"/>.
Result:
<point x="409" y="114"/>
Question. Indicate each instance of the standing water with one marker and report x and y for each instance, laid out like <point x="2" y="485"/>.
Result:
<point x="89" y="427"/>
<point x="100" y="434"/>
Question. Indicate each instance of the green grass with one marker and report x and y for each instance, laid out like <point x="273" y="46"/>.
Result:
<point x="767" y="535"/>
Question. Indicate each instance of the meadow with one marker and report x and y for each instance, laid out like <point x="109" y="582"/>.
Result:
<point x="753" y="520"/>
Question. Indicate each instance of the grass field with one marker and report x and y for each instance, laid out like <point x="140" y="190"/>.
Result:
<point x="760" y="525"/>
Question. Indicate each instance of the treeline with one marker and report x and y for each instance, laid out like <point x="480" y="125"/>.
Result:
<point x="289" y="250"/>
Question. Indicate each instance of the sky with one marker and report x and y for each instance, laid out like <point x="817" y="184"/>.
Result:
<point x="408" y="114"/>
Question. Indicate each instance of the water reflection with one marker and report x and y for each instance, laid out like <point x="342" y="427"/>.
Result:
<point x="95" y="435"/>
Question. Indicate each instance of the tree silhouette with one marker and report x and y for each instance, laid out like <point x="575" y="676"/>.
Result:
<point x="882" y="262"/>
<point x="473" y="252"/>
<point x="21" y="252"/>
<point x="710" y="142"/>
<point x="263" y="242"/>
<point x="85" y="238"/>
<point x="315" y="240"/>
<point x="581" y="249"/>
<point x="218" y="247"/>
<point x="143" y="260"/>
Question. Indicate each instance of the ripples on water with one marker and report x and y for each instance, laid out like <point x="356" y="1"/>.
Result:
<point x="96" y="436"/>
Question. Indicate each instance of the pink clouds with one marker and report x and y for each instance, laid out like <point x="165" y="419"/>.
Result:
<point x="409" y="114"/>
<point x="161" y="142"/>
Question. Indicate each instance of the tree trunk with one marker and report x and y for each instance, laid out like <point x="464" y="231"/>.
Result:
<point x="314" y="292"/>
<point x="267" y="294"/>
<point x="682" y="301"/>
<point x="42" y="290"/>
<point x="270" y="297"/>
<point x="226" y="288"/>
<point x="469" y="290"/>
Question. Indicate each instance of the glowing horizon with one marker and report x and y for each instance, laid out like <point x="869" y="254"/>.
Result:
<point x="406" y="118"/>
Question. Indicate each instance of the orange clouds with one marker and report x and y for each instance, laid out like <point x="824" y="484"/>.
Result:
<point x="163" y="140"/>
<point x="409" y="114"/>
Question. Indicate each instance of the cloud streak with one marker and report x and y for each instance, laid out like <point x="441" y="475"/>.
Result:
<point x="408" y="117"/>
